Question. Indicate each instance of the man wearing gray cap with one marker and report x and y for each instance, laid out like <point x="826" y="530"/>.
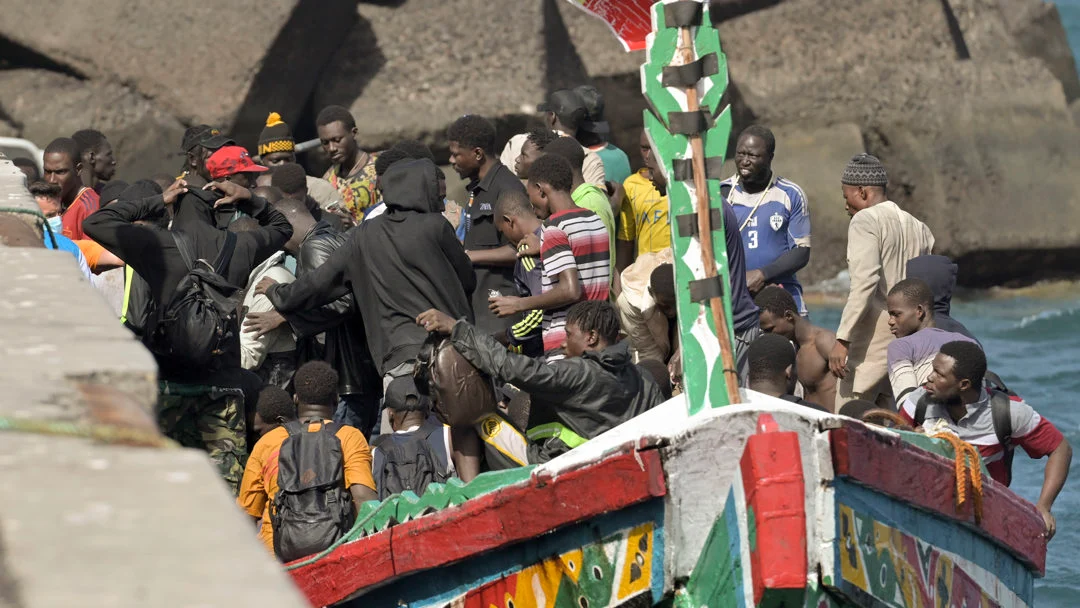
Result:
<point x="882" y="237"/>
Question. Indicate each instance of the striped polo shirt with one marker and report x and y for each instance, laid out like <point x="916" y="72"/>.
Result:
<point x="573" y="239"/>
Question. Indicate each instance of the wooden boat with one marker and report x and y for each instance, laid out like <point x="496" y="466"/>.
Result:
<point x="759" y="504"/>
<point x="699" y="502"/>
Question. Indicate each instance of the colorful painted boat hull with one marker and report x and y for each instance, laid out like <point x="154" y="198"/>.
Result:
<point x="763" y="504"/>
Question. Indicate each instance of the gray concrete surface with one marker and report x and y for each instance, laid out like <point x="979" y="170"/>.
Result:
<point x="85" y="523"/>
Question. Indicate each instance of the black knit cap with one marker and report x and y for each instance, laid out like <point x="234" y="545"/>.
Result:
<point x="275" y="136"/>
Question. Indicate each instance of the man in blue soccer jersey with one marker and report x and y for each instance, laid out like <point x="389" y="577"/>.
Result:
<point x="774" y="219"/>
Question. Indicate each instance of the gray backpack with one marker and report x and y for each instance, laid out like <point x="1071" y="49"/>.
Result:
<point x="312" y="508"/>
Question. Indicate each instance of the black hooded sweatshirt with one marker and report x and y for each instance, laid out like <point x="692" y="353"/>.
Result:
<point x="398" y="265"/>
<point x="939" y="273"/>
<point x="154" y="256"/>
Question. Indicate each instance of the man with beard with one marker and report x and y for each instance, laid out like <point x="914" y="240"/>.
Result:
<point x="744" y="312"/>
<point x="63" y="164"/>
<point x="956" y="398"/>
<point x="774" y="219"/>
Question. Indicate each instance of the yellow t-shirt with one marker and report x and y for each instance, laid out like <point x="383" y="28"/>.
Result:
<point x="644" y="215"/>
<point x="259" y="485"/>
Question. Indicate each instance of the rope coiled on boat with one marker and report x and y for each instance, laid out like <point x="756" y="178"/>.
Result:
<point x="967" y="468"/>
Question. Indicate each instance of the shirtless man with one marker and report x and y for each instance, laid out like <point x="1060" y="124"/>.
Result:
<point x="780" y="315"/>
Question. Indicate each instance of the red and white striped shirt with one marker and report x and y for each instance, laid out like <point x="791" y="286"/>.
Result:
<point x="573" y="239"/>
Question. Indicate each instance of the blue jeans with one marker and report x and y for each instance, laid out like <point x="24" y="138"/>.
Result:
<point x="360" y="411"/>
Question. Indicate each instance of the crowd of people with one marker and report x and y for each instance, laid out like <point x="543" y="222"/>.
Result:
<point x="294" y="317"/>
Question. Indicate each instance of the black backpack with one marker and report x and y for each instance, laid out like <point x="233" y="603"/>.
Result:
<point x="409" y="462"/>
<point x="1000" y="412"/>
<point x="312" y="508"/>
<point x="200" y="320"/>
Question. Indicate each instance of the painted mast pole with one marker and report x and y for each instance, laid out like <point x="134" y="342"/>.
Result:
<point x="684" y="80"/>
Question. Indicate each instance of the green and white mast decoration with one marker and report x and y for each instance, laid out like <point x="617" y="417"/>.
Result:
<point x="688" y="124"/>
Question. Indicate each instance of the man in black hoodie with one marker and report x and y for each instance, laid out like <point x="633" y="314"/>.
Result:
<point x="197" y="407"/>
<point x="345" y="343"/>
<point x="939" y="273"/>
<point x="398" y="265"/>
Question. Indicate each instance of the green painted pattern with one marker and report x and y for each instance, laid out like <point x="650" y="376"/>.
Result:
<point x="936" y="446"/>
<point x="718" y="573"/>
<point x="702" y="371"/>
<point x="377" y="516"/>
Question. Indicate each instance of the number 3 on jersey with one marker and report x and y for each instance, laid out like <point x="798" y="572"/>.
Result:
<point x="751" y="239"/>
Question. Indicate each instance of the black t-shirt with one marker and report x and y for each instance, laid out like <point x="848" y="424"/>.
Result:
<point x="482" y="234"/>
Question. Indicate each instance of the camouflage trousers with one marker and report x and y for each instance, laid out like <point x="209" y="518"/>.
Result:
<point x="210" y="419"/>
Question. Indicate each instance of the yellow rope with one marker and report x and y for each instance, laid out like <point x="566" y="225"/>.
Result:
<point x="967" y="467"/>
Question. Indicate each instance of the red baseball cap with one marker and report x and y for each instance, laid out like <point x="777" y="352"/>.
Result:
<point x="230" y="160"/>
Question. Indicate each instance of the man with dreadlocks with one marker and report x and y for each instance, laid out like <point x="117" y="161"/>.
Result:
<point x="595" y="388"/>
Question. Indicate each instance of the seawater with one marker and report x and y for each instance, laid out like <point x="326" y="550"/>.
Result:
<point x="1070" y="18"/>
<point x="1032" y="340"/>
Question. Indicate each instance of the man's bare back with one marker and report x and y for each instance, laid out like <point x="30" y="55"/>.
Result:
<point x="812" y="366"/>
<point x="779" y="315"/>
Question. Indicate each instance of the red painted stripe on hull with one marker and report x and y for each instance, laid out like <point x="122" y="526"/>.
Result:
<point x="894" y="467"/>
<point x="516" y="514"/>
<point x="775" y="492"/>
<point x="504" y="517"/>
<point x="351" y="567"/>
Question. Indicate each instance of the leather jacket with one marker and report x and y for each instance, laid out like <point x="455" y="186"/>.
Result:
<point x="345" y="346"/>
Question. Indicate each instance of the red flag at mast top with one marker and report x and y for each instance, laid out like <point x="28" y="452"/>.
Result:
<point x="630" y="20"/>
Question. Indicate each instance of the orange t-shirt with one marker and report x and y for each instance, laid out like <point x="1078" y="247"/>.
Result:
<point x="259" y="486"/>
<point x="92" y="252"/>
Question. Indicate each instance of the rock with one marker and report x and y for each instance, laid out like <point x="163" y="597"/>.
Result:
<point x="966" y="122"/>
<point x="814" y="158"/>
<point x="200" y="62"/>
<point x="403" y="78"/>
<point x="1039" y="32"/>
<point x="47" y="104"/>
<point x="197" y="61"/>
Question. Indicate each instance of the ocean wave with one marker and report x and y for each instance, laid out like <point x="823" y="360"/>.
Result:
<point x="1045" y="315"/>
